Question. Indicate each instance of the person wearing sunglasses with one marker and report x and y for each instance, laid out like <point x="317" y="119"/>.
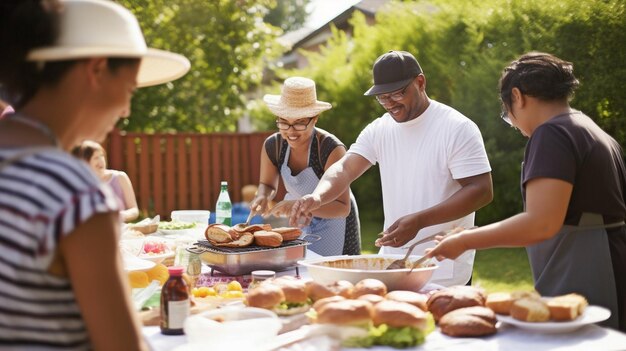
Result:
<point x="573" y="187"/>
<point x="433" y="165"/>
<point x="299" y="153"/>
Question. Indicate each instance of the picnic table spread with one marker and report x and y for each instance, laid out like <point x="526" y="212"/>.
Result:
<point x="508" y="337"/>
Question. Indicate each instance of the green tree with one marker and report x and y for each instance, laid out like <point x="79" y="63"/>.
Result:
<point x="288" y="14"/>
<point x="463" y="47"/>
<point x="228" y="45"/>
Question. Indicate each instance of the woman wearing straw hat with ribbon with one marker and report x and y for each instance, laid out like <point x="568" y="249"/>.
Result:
<point x="70" y="68"/>
<point x="299" y="154"/>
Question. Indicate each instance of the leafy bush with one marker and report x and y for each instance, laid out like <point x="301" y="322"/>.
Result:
<point x="462" y="47"/>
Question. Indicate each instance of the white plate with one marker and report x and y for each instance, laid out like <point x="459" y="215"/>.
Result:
<point x="176" y="232"/>
<point x="134" y="263"/>
<point x="157" y="258"/>
<point x="592" y="314"/>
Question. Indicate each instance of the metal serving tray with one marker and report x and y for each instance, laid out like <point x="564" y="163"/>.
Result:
<point x="243" y="260"/>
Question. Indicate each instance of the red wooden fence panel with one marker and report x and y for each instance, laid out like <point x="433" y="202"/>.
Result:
<point x="183" y="171"/>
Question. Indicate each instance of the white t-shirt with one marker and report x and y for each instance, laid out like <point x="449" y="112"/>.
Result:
<point x="419" y="161"/>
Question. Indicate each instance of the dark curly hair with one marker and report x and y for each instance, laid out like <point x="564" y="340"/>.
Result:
<point x="540" y="75"/>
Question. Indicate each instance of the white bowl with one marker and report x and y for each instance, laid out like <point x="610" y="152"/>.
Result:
<point x="191" y="216"/>
<point x="368" y="266"/>
<point x="134" y="263"/>
<point x="225" y="328"/>
<point x="157" y="258"/>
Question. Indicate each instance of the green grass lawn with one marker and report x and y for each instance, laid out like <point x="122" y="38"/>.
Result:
<point x="494" y="269"/>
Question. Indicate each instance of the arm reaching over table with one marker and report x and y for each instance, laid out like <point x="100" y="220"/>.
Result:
<point x="333" y="184"/>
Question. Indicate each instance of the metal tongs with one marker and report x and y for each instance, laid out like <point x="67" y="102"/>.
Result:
<point x="402" y="263"/>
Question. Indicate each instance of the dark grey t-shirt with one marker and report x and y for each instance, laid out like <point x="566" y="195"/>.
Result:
<point x="573" y="148"/>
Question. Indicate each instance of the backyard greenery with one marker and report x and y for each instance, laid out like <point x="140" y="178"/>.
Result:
<point x="462" y="47"/>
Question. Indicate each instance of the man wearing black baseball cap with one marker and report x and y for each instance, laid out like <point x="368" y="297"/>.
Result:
<point x="433" y="166"/>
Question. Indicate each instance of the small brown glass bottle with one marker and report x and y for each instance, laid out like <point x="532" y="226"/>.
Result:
<point x="175" y="302"/>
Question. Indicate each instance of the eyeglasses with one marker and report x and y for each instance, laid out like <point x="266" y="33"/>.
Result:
<point x="296" y="126"/>
<point x="397" y="96"/>
<point x="505" y="117"/>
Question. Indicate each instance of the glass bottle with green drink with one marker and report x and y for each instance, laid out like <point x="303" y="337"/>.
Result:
<point x="223" y="207"/>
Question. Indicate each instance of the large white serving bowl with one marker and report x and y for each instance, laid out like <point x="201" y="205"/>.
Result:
<point x="368" y="266"/>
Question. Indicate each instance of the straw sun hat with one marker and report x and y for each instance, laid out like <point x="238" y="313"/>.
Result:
<point x="100" y="28"/>
<point x="298" y="99"/>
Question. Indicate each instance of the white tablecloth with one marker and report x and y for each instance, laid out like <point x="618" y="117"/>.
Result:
<point x="508" y="338"/>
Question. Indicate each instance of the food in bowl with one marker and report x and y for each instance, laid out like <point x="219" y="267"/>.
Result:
<point x="174" y="225"/>
<point x="369" y="263"/>
<point x="326" y="270"/>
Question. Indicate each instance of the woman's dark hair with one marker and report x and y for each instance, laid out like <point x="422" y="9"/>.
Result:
<point x="25" y="25"/>
<point x="86" y="150"/>
<point x="540" y="75"/>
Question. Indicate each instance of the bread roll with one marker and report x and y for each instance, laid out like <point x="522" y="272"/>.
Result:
<point x="399" y="315"/>
<point x="530" y="310"/>
<point x="219" y="233"/>
<point x="410" y="297"/>
<point x="251" y="228"/>
<point x="369" y="286"/>
<point x="246" y="239"/>
<point x="269" y="239"/>
<point x="454" y="297"/>
<point x="317" y="291"/>
<point x="343" y="288"/>
<point x="469" y="321"/>
<point x="265" y="296"/>
<point x="500" y="302"/>
<point x="373" y="299"/>
<point x="288" y="233"/>
<point x="321" y="302"/>
<point x="567" y="307"/>
<point x="345" y="312"/>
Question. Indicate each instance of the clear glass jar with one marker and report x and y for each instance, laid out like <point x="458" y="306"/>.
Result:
<point x="259" y="276"/>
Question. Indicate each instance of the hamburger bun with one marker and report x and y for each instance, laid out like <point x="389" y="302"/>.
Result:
<point x="288" y="233"/>
<point x="219" y="233"/>
<point x="293" y="288"/>
<point x="321" y="302"/>
<point x="244" y="240"/>
<point x="265" y="296"/>
<point x="317" y="291"/>
<point x="399" y="314"/>
<point x="469" y="321"/>
<point x="268" y="239"/>
<point x="345" y="312"/>
<point x="373" y="299"/>
<point x="342" y="287"/>
<point x="369" y="286"/>
<point x="454" y="297"/>
<point x="251" y="228"/>
<point x="410" y="297"/>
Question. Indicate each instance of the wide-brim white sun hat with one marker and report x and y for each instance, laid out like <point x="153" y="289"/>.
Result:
<point x="298" y="99"/>
<point x="102" y="28"/>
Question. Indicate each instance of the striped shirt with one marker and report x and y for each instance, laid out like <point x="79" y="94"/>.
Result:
<point x="43" y="198"/>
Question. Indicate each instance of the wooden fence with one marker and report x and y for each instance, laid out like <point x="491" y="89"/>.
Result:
<point x="183" y="171"/>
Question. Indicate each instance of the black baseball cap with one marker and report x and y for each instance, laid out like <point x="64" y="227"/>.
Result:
<point x="392" y="71"/>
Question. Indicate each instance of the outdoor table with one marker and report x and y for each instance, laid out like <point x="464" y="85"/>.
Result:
<point x="508" y="338"/>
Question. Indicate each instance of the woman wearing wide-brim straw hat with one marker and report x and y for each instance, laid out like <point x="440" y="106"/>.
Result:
<point x="299" y="153"/>
<point x="69" y="69"/>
